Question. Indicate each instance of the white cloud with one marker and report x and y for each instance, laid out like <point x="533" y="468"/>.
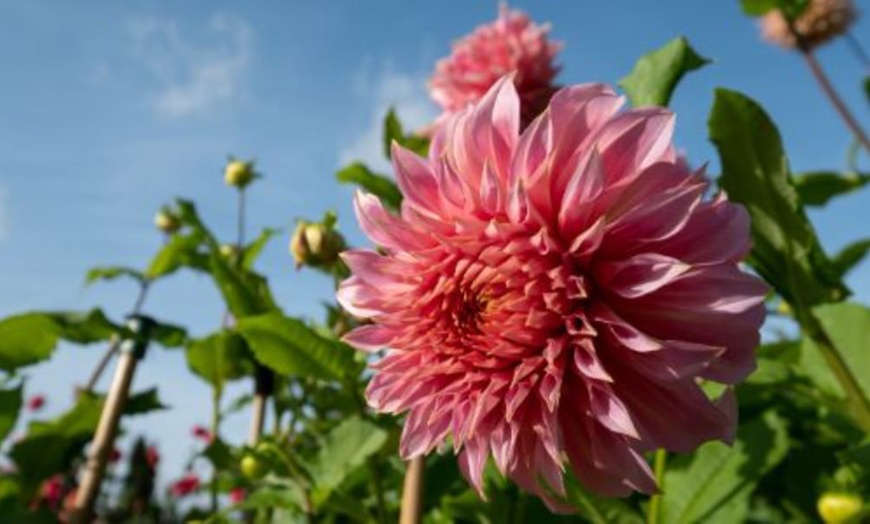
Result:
<point x="404" y="92"/>
<point x="194" y="77"/>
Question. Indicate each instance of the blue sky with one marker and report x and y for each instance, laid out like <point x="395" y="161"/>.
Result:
<point x="110" y="109"/>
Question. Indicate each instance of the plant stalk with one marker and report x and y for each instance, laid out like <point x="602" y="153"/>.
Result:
<point x="654" y="509"/>
<point x="412" y="492"/>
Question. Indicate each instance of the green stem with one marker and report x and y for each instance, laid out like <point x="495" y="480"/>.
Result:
<point x="654" y="510"/>
<point x="215" y="427"/>
<point x="856" y="402"/>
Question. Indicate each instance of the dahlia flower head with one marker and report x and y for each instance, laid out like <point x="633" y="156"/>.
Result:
<point x="821" y="21"/>
<point x="512" y="43"/>
<point x="552" y="298"/>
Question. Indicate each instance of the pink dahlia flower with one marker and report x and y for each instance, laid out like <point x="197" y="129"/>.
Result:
<point x="552" y="298"/>
<point x="511" y="44"/>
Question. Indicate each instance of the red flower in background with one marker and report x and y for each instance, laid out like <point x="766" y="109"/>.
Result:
<point x="513" y="43"/>
<point x="237" y="495"/>
<point x="199" y="432"/>
<point x="184" y="486"/>
<point x="114" y="456"/>
<point x="551" y="298"/>
<point x="152" y="456"/>
<point x="35" y="403"/>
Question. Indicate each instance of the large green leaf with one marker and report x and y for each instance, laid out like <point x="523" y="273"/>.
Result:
<point x="219" y="358"/>
<point x="50" y="447"/>
<point x="847" y="326"/>
<point x="713" y="485"/>
<point x="343" y="450"/>
<point x="291" y="348"/>
<point x="180" y="251"/>
<point x="111" y="273"/>
<point x="378" y="185"/>
<point x="168" y="335"/>
<point x="10" y="406"/>
<point x="816" y="188"/>
<point x="245" y="292"/>
<point x="143" y="402"/>
<point x="755" y="173"/>
<point x="29" y="338"/>
<point x="656" y="75"/>
<point x="599" y="510"/>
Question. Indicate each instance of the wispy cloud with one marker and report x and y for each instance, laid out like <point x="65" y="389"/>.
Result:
<point x="195" y="77"/>
<point x="402" y="91"/>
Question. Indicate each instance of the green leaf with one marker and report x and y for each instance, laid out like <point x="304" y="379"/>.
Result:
<point x="599" y="510"/>
<point x="816" y="188"/>
<point x="219" y="454"/>
<point x="111" y="273"/>
<point x="656" y="75"/>
<point x="10" y="406"/>
<point x="755" y="173"/>
<point x="180" y="251"/>
<point x="343" y="450"/>
<point x="291" y="348"/>
<point x="245" y="292"/>
<point x="847" y="325"/>
<point x="850" y="256"/>
<point x="378" y="185"/>
<point x="50" y="447"/>
<point x="83" y="328"/>
<point x="252" y="251"/>
<point x="393" y="132"/>
<point x="143" y="402"/>
<point x="220" y="358"/>
<point x="26" y="339"/>
<point x="714" y="484"/>
<point x="168" y="335"/>
<point x="757" y="7"/>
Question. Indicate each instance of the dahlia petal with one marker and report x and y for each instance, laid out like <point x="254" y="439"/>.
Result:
<point x="640" y="275"/>
<point x="380" y="271"/>
<point x="584" y="186"/>
<point x="369" y="338"/>
<point x="387" y="230"/>
<point x="416" y="181"/>
<point x="634" y="140"/>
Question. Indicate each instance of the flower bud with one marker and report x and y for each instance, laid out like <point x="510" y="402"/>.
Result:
<point x="238" y="173"/>
<point x="316" y="244"/>
<point x="820" y="22"/>
<point x="230" y="251"/>
<point x="836" y="508"/>
<point x="167" y="221"/>
<point x="253" y="467"/>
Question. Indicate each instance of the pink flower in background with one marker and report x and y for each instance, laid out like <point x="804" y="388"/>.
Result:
<point x="513" y="43"/>
<point x="184" y="486"/>
<point x="35" y="403"/>
<point x="52" y="491"/>
<point x="152" y="456"/>
<point x="552" y="298"/>
<point x="237" y="495"/>
<point x="199" y="432"/>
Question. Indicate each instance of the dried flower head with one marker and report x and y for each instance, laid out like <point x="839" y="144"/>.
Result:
<point x="821" y="21"/>
<point x="550" y="298"/>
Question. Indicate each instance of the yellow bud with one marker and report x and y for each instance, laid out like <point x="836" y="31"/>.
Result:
<point x="230" y="251"/>
<point x="239" y="174"/>
<point x="167" y="221"/>
<point x="315" y="245"/>
<point x="837" y="508"/>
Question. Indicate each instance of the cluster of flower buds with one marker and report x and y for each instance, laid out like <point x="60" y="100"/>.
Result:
<point x="317" y="244"/>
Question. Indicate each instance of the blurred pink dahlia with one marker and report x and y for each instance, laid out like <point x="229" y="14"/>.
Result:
<point x="513" y="43"/>
<point x="552" y="298"/>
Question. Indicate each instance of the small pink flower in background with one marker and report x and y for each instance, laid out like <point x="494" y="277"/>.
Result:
<point x="184" y="486"/>
<point x="551" y="298"/>
<point x="35" y="403"/>
<point x="114" y="456"/>
<point x="513" y="43"/>
<point x="237" y="495"/>
<point x="152" y="456"/>
<point x="199" y="432"/>
<point x="52" y="491"/>
<point x="821" y="21"/>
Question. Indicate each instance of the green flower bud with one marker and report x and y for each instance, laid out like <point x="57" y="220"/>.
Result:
<point x="238" y="173"/>
<point x="253" y="467"/>
<point x="316" y="244"/>
<point x="167" y="221"/>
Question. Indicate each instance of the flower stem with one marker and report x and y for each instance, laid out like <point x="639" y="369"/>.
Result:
<point x="828" y="88"/>
<point x="215" y="427"/>
<point x="412" y="492"/>
<point x="857" y="404"/>
<point x="655" y="502"/>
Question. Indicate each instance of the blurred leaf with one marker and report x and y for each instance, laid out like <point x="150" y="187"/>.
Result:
<point x="850" y="256"/>
<point x="219" y="358"/>
<point x="29" y="338"/>
<point x="656" y="74"/>
<point x="111" y="273"/>
<point x="847" y="325"/>
<point x="378" y="185"/>
<point x="219" y="454"/>
<point x="168" y="335"/>
<point x="344" y="449"/>
<point x="50" y="447"/>
<point x="816" y="188"/>
<point x="10" y="406"/>
<point x="393" y="132"/>
<point x="246" y="293"/>
<point x="291" y="348"/>
<point x="599" y="510"/>
<point x="713" y="485"/>
<point x="143" y="402"/>
<point x="858" y="455"/>
<point x="755" y="173"/>
<point x="757" y="7"/>
<point x="180" y="251"/>
<point x="252" y="251"/>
